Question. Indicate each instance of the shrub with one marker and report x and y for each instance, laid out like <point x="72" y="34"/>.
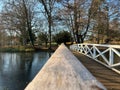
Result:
<point x="62" y="37"/>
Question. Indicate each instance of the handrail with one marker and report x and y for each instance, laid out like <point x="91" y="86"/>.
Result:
<point x="108" y="55"/>
<point x="63" y="71"/>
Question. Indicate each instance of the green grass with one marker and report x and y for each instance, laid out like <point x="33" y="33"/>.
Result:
<point x="17" y="49"/>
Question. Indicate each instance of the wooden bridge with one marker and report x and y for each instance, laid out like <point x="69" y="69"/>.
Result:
<point x="63" y="71"/>
<point x="107" y="68"/>
<point x="109" y="78"/>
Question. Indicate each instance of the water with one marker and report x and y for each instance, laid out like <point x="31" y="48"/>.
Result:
<point x="18" y="69"/>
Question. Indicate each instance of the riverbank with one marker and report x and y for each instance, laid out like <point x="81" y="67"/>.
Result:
<point x="29" y="48"/>
<point x="26" y="48"/>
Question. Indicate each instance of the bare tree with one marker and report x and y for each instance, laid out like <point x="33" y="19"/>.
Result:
<point x="104" y="12"/>
<point x="18" y="16"/>
<point x="48" y="8"/>
<point x="77" y="18"/>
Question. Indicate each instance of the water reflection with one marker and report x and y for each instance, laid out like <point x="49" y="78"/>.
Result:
<point x="17" y="69"/>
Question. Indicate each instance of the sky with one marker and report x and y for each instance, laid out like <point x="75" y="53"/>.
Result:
<point x="1" y="4"/>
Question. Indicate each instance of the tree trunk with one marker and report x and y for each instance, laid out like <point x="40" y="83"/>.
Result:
<point x="49" y="22"/>
<point x="88" y="24"/>
<point x="31" y="37"/>
<point x="77" y="37"/>
<point x="98" y="38"/>
<point x="75" y="21"/>
<point x="81" y="39"/>
<point x="46" y="44"/>
<point x="28" y="20"/>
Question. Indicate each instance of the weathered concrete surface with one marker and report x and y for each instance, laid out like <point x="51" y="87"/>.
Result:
<point x="64" y="72"/>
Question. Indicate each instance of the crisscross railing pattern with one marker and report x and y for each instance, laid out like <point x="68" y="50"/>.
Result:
<point x="108" y="55"/>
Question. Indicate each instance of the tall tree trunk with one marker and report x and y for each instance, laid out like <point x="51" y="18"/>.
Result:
<point x="75" y="21"/>
<point x="49" y="22"/>
<point x="77" y="37"/>
<point x="28" y="20"/>
<point x="48" y="9"/>
<point x="98" y="37"/>
<point x="31" y="36"/>
<point x="87" y="28"/>
<point x="107" y="31"/>
<point x="81" y="39"/>
<point x="72" y="28"/>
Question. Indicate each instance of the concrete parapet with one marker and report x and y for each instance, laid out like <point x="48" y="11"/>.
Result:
<point x="63" y="71"/>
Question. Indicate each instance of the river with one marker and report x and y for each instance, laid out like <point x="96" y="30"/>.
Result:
<point x="18" y="69"/>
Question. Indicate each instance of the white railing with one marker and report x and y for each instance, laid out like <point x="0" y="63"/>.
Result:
<point x="108" y="55"/>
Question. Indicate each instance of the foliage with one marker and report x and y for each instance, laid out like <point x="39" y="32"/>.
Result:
<point x="29" y="50"/>
<point x="48" y="9"/>
<point x="20" y="21"/>
<point x="27" y="39"/>
<point x="43" y="37"/>
<point x="106" y="20"/>
<point x="62" y="37"/>
<point x="18" y="17"/>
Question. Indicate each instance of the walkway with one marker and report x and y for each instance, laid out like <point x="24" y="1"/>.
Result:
<point x="107" y="77"/>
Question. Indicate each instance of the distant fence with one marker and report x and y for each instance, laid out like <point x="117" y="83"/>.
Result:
<point x="109" y="55"/>
<point x="63" y="71"/>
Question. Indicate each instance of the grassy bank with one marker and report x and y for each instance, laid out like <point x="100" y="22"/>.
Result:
<point x="16" y="49"/>
<point x="26" y="48"/>
<point x="29" y="48"/>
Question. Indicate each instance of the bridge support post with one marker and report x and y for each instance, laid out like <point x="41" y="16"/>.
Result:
<point x="111" y="56"/>
<point x="94" y="52"/>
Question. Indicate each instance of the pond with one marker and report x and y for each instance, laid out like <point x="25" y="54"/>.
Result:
<point x="18" y="69"/>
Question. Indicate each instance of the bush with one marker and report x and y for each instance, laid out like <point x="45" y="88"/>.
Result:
<point x="29" y="50"/>
<point x="21" y="48"/>
<point x="62" y="37"/>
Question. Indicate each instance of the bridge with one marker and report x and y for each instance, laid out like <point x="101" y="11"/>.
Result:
<point x="103" y="61"/>
<point x="95" y="68"/>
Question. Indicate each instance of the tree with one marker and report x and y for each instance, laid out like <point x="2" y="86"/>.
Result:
<point x="3" y="38"/>
<point x="18" y="16"/>
<point x="104" y="13"/>
<point x="112" y="14"/>
<point x="99" y="17"/>
<point x="43" y="38"/>
<point x="62" y="37"/>
<point x="48" y="8"/>
<point x="76" y="16"/>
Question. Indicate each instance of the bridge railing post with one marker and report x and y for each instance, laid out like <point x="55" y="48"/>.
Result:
<point x="94" y="52"/>
<point x="111" y="56"/>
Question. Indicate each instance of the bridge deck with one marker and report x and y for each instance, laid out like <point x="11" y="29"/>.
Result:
<point x="107" y="77"/>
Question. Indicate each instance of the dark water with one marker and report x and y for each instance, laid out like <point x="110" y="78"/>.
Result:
<point x="18" y="69"/>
